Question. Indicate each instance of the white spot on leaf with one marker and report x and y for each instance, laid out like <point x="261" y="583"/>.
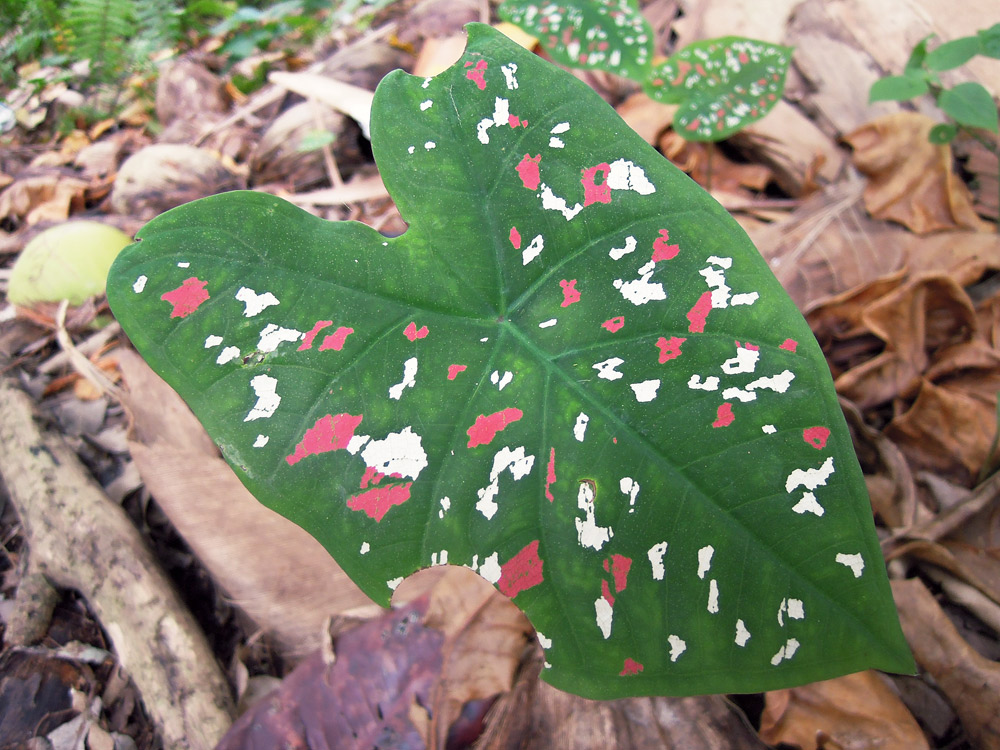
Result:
<point x="517" y="462"/>
<point x="212" y="340"/>
<point x="587" y="531"/>
<point x="547" y="323"/>
<point x="855" y="562"/>
<point x="408" y="381"/>
<point x="267" y="398"/>
<point x="427" y="104"/>
<point x="742" y="634"/>
<point x="227" y="355"/>
<point x="808" y="504"/>
<point x="400" y="453"/>
<point x="490" y="569"/>
<point x="394" y="582"/>
<point x="255" y="303"/>
<point x="617" y="253"/>
<point x="365" y="548"/>
<point x="677" y="647"/>
<point x="625" y="175"/>
<point x="140" y="284"/>
<point x="713" y="596"/>
<point x="501" y="381"/>
<point x="705" y="560"/>
<point x="810" y="478"/>
<point x="607" y="368"/>
<point x="580" y="428"/>
<point x="261" y="441"/>
<point x="533" y="250"/>
<point x="710" y="383"/>
<point x="646" y="390"/>
<point x="552" y="202"/>
<point x="604" y="616"/>
<point x="273" y="336"/>
<point x="655" y="555"/>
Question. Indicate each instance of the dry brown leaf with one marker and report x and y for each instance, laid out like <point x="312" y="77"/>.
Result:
<point x="273" y="569"/>
<point x="537" y="716"/>
<point x="439" y="54"/>
<point x="854" y="712"/>
<point x="647" y="117"/>
<point x="919" y="317"/>
<point x="794" y="147"/>
<point x="700" y="160"/>
<point x="970" y="682"/>
<point x="50" y="196"/>
<point x="911" y="180"/>
<point x="946" y="430"/>
<point x="485" y="638"/>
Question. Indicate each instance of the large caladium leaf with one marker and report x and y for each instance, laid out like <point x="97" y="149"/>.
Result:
<point x="604" y="34"/>
<point x="573" y="373"/>
<point x="722" y="85"/>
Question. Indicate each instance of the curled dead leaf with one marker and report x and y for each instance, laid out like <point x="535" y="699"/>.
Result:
<point x="853" y="712"/>
<point x="911" y="180"/>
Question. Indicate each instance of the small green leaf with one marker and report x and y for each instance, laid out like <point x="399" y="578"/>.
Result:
<point x="315" y="139"/>
<point x="989" y="40"/>
<point x="573" y="373"/>
<point x="942" y="133"/>
<point x="897" y="88"/>
<point x="952" y="54"/>
<point x="915" y="63"/>
<point x="722" y="85"/>
<point x="605" y="34"/>
<point x="970" y="104"/>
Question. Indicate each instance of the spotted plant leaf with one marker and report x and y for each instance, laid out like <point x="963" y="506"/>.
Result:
<point x="722" y="85"/>
<point x="609" y="35"/>
<point x="573" y="373"/>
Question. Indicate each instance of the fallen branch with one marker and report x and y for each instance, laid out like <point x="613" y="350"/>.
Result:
<point x="79" y="539"/>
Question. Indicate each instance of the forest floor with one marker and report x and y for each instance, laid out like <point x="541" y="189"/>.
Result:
<point x="887" y="243"/>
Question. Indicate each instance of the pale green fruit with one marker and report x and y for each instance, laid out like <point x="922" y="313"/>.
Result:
<point x="69" y="261"/>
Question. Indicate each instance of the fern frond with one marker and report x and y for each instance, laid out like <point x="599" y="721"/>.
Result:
<point x="100" y="33"/>
<point x="157" y="25"/>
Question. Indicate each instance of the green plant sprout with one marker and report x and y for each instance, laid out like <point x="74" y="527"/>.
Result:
<point x="969" y="105"/>
<point x="573" y="374"/>
<point x="721" y="85"/>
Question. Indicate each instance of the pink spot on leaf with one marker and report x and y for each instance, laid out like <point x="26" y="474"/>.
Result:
<point x="476" y="74"/>
<point x="515" y="238"/>
<point x="699" y="313"/>
<point x="570" y="294"/>
<point x="187" y="297"/>
<point x="329" y="433"/>
<point x="527" y="170"/>
<point x="453" y="371"/>
<point x="521" y="572"/>
<point x="614" y="324"/>
<point x="307" y="342"/>
<point x="594" y="193"/>
<point x="631" y="667"/>
<point x="513" y="120"/>
<point x="372" y="475"/>
<point x="789" y="345"/>
<point x="550" y="475"/>
<point x="413" y="334"/>
<point x="606" y="592"/>
<point x="375" y="503"/>
<point x="619" y="568"/>
<point x="724" y="416"/>
<point x="336" y="339"/>
<point x="669" y="348"/>
<point x="663" y="251"/>
<point x="816" y="437"/>
<point x="487" y="426"/>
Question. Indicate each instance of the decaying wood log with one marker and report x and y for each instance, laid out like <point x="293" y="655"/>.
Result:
<point x="80" y="540"/>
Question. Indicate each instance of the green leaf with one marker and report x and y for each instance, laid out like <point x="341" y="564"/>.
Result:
<point x="897" y="88"/>
<point x="989" y="41"/>
<point x="915" y="63"/>
<point x="952" y="54"/>
<point x="609" y="35"/>
<point x="573" y="373"/>
<point x="970" y="104"/>
<point x="943" y="133"/>
<point x="722" y="85"/>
